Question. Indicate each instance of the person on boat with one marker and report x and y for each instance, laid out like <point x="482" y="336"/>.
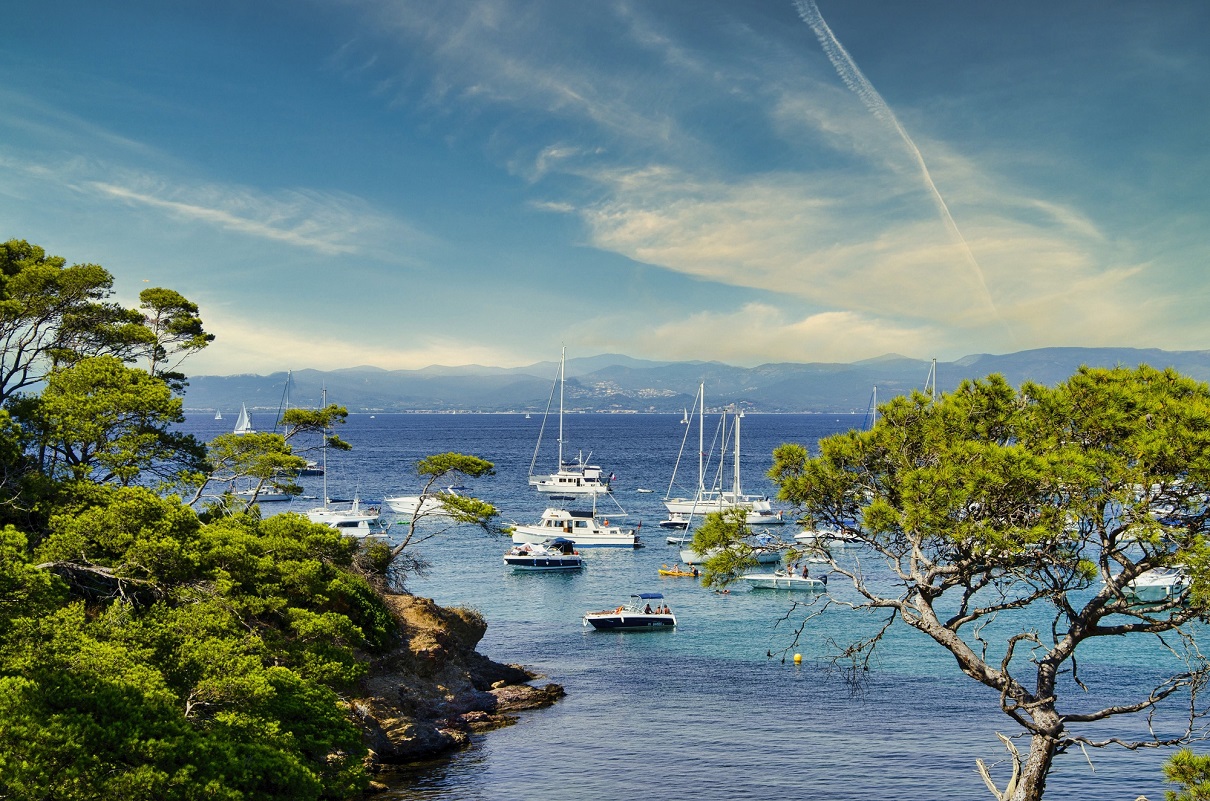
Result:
<point x="805" y="572"/>
<point x="647" y="610"/>
<point x="695" y="571"/>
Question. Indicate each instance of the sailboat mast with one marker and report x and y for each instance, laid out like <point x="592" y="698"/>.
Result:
<point x="701" y="441"/>
<point x="736" y="489"/>
<point x="323" y="405"/>
<point x="562" y="376"/>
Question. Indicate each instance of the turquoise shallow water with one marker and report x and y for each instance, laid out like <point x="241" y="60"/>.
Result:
<point x="702" y="711"/>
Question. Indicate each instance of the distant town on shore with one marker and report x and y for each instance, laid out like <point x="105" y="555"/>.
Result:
<point x="620" y="384"/>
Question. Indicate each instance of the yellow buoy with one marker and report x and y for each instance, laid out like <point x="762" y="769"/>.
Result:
<point x="798" y="659"/>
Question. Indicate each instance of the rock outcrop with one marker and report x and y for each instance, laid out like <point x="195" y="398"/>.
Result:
<point x="434" y="689"/>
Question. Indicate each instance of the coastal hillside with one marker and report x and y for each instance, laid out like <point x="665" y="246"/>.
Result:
<point x="614" y="383"/>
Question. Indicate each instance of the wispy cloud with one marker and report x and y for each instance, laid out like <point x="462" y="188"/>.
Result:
<point x="324" y="222"/>
<point x="853" y="77"/>
<point x="759" y="328"/>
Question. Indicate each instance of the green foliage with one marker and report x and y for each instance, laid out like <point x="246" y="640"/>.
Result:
<point x="176" y="332"/>
<point x="102" y="420"/>
<point x="721" y="539"/>
<point x="52" y="314"/>
<point x="1191" y="773"/>
<point x="990" y="500"/>
<point x="147" y="652"/>
<point x="436" y="470"/>
<point x="203" y="660"/>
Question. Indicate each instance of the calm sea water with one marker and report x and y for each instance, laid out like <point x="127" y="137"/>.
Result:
<point x="715" y="709"/>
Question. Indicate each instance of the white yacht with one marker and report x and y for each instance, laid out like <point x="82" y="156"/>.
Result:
<point x="570" y="479"/>
<point x="425" y="505"/>
<point x="585" y="529"/>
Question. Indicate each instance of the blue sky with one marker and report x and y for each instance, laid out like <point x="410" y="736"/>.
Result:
<point x="400" y="183"/>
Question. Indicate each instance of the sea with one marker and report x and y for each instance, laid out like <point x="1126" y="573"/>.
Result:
<point x="718" y="708"/>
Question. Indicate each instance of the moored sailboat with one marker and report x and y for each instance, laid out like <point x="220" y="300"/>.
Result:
<point x="571" y="479"/>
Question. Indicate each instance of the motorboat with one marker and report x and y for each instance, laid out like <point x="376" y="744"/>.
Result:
<point x="583" y="528"/>
<point x="825" y="537"/>
<point x="638" y="614"/>
<point x="760" y="511"/>
<point x="266" y="495"/>
<point x="785" y="580"/>
<point x="1158" y="585"/>
<point x="570" y="479"/>
<point x="676" y="520"/>
<point x="424" y="505"/>
<point x="357" y="528"/>
<point x="554" y="554"/>
<point x="348" y="516"/>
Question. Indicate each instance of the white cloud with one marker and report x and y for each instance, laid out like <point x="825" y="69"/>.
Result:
<point x="758" y="332"/>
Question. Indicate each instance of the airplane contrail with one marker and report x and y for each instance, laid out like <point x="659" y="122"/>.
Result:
<point x="853" y="78"/>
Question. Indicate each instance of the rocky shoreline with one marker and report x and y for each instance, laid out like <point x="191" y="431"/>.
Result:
<point x="434" y="690"/>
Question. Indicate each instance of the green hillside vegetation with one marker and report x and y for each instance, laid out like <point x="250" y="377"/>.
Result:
<point x="148" y="649"/>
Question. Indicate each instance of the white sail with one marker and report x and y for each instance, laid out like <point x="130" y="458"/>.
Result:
<point x="243" y="423"/>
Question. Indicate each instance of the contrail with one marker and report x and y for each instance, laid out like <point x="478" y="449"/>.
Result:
<point x="853" y="78"/>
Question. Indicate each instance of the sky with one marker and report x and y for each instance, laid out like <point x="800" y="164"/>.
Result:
<point x="400" y="184"/>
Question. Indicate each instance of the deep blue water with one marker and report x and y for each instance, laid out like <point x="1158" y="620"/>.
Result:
<point x="702" y="711"/>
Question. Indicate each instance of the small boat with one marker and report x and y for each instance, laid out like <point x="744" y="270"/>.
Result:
<point x="426" y="505"/>
<point x="313" y="468"/>
<point x="556" y="554"/>
<point x="353" y="516"/>
<point x="583" y="528"/>
<point x="675" y="520"/>
<point x="783" y="580"/>
<point x="357" y="528"/>
<point x="266" y="495"/>
<point x="644" y="489"/>
<point x="825" y="537"/>
<point x="1158" y="585"/>
<point x="677" y="570"/>
<point x="243" y="423"/>
<point x="636" y="615"/>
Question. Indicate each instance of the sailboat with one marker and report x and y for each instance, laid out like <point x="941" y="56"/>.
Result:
<point x="352" y="520"/>
<point x="759" y="509"/>
<point x="572" y="479"/>
<point x="243" y="423"/>
<point x="218" y="415"/>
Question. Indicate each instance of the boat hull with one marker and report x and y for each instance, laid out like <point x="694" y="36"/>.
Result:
<point x="620" y="539"/>
<point x="772" y="581"/>
<point x="629" y="621"/>
<point x="544" y="563"/>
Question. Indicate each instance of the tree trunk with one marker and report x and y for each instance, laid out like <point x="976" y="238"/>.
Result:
<point x="1037" y="765"/>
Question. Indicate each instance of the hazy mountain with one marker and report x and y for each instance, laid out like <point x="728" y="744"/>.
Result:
<point x="619" y="383"/>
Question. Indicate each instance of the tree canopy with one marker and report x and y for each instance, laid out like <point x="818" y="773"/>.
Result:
<point x="990" y="504"/>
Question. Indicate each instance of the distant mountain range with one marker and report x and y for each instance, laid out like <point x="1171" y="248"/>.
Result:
<point x="613" y="383"/>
